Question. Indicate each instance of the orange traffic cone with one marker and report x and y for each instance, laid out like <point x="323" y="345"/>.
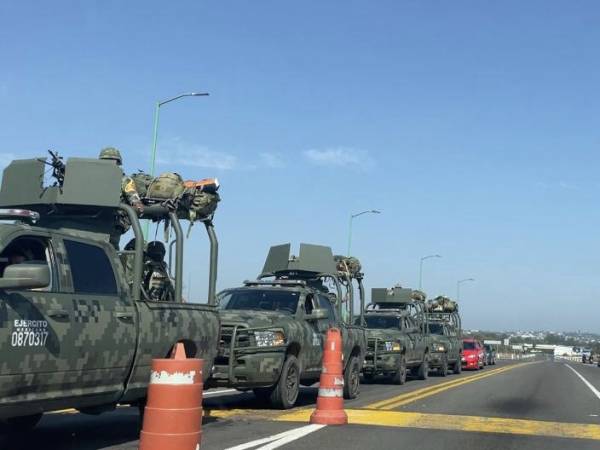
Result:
<point x="330" y="402"/>
<point x="173" y="414"/>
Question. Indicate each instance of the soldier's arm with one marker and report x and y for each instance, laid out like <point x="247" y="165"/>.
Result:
<point x="131" y="194"/>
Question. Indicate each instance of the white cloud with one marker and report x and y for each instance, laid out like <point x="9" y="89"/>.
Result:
<point x="271" y="160"/>
<point x="340" y="157"/>
<point x="178" y="153"/>
<point x="568" y="186"/>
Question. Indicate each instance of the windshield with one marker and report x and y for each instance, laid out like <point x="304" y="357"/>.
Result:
<point x="436" y="328"/>
<point x="382" y="322"/>
<point x="468" y="345"/>
<point x="260" y="300"/>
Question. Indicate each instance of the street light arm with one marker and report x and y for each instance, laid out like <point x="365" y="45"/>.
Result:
<point x="352" y="216"/>
<point x="371" y="211"/>
<point x="421" y="268"/>
<point x="187" y="94"/>
<point x="430" y="256"/>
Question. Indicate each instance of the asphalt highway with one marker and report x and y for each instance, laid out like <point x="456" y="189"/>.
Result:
<point x="524" y="405"/>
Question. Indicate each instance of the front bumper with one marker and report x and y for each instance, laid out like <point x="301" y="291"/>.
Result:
<point x="470" y="363"/>
<point x="436" y="359"/>
<point x="380" y="363"/>
<point x="252" y="367"/>
<point x="241" y="364"/>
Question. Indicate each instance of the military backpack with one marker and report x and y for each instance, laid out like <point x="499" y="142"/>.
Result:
<point x="166" y="186"/>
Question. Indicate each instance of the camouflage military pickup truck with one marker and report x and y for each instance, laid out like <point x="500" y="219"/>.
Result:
<point x="272" y="329"/>
<point x="76" y="330"/>
<point x="444" y="327"/>
<point x="397" y="336"/>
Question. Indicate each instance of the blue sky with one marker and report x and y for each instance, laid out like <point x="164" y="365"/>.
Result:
<point x="473" y="126"/>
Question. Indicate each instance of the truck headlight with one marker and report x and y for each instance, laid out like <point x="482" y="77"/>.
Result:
<point x="392" y="346"/>
<point x="269" y="338"/>
<point x="440" y="348"/>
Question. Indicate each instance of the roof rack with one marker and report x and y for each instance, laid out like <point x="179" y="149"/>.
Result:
<point x="24" y="215"/>
<point x="277" y="282"/>
<point x="371" y="309"/>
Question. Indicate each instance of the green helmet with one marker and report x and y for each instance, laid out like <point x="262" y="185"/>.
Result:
<point x="111" y="153"/>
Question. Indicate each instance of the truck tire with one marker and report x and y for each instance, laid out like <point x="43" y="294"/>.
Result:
<point x="352" y="379"/>
<point x="18" y="425"/>
<point x="443" y="369"/>
<point x="457" y="366"/>
<point x="285" y="392"/>
<point x="400" y="376"/>
<point x="423" y="369"/>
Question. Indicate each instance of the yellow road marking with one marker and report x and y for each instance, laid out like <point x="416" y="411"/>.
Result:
<point x="382" y="403"/>
<point x="461" y="423"/>
<point x="418" y="394"/>
<point x="227" y="413"/>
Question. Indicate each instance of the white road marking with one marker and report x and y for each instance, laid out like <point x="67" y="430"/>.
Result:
<point x="586" y="382"/>
<point x="222" y="391"/>
<point x="278" y="440"/>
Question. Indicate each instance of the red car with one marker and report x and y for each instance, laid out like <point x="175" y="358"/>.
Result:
<point x="473" y="356"/>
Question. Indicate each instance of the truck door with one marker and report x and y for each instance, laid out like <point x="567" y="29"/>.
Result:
<point x="104" y="322"/>
<point x="333" y="320"/>
<point x="416" y="342"/>
<point x="314" y="335"/>
<point x="39" y="350"/>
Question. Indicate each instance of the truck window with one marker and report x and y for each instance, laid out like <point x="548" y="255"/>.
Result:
<point x="436" y="328"/>
<point x="27" y="250"/>
<point x="325" y="303"/>
<point x="260" y="300"/>
<point x="91" y="269"/>
<point x="374" y="321"/>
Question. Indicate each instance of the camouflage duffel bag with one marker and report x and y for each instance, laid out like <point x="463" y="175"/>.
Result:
<point x="166" y="186"/>
<point x="442" y="304"/>
<point x="199" y="200"/>
<point x="348" y="264"/>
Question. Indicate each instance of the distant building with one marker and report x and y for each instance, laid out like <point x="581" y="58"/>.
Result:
<point x="564" y="350"/>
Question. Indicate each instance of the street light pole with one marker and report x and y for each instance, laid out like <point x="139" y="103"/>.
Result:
<point x="458" y="283"/>
<point x="156" y="119"/>
<point x="352" y="216"/>
<point x="421" y="268"/>
<point x="155" y="136"/>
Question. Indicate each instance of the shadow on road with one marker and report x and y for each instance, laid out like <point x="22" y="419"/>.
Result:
<point x="78" y="432"/>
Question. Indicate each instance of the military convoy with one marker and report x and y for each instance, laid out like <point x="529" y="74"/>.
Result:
<point x="273" y="328"/>
<point x="79" y="325"/>
<point x="77" y="331"/>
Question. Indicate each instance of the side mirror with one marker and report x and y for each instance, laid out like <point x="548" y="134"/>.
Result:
<point x="25" y="276"/>
<point x="318" y="314"/>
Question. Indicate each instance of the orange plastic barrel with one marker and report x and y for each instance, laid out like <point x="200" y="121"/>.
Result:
<point x="330" y="401"/>
<point x="173" y="414"/>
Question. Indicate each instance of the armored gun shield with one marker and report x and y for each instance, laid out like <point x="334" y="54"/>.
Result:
<point x="315" y="259"/>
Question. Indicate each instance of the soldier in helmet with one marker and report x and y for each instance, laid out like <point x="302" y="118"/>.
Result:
<point x="157" y="282"/>
<point x="129" y="195"/>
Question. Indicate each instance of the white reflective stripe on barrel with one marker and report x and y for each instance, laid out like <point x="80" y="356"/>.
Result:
<point x="331" y="392"/>
<point x="164" y="377"/>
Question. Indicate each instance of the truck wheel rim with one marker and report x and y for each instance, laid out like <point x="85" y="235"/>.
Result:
<point x="354" y="378"/>
<point x="291" y="383"/>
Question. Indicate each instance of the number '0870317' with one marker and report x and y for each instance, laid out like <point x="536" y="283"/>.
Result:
<point x="29" y="338"/>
